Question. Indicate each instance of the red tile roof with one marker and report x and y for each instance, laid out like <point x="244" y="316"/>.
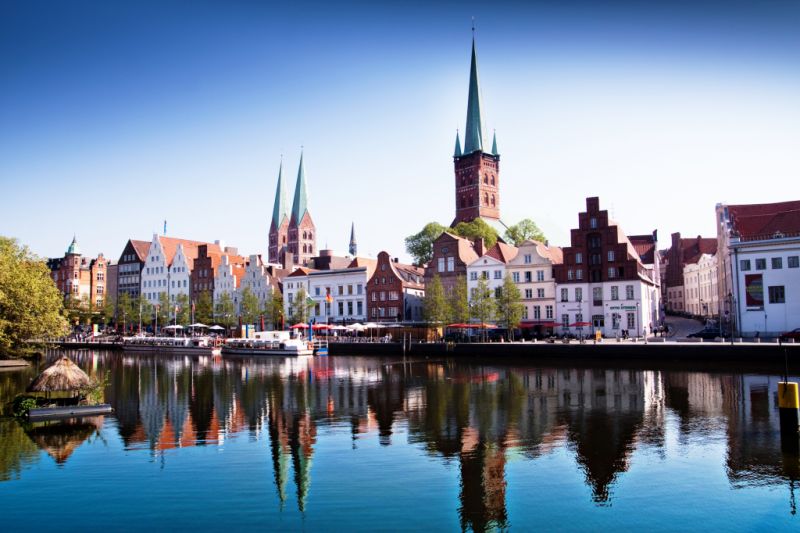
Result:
<point x="645" y="246"/>
<point x="141" y="248"/>
<point x="754" y="221"/>
<point x="693" y="249"/>
<point x="502" y="252"/>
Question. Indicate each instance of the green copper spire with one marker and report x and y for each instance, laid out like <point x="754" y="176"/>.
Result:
<point x="353" y="245"/>
<point x="299" y="206"/>
<point x="473" y="135"/>
<point x="279" y="211"/>
<point x="73" y="247"/>
<point x="457" y="152"/>
<point x="494" y="143"/>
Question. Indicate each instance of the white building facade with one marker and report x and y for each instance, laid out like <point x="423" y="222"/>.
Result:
<point x="257" y="278"/>
<point x="532" y="272"/>
<point x="338" y="296"/>
<point x="700" y="287"/>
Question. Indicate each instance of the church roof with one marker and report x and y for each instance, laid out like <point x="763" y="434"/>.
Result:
<point x="457" y="152"/>
<point x="280" y="209"/>
<point x="300" y="204"/>
<point x="473" y="134"/>
<point x="73" y="247"/>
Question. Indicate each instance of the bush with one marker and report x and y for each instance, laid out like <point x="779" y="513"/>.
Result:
<point x="22" y="404"/>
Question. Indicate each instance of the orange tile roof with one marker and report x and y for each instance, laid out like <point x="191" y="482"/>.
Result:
<point x="765" y="220"/>
<point x="141" y="248"/>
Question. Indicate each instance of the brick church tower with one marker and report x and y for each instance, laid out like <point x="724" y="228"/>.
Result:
<point x="477" y="171"/>
<point x="279" y="227"/>
<point x="302" y="235"/>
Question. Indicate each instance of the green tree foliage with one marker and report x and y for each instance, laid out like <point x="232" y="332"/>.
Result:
<point x="30" y="304"/>
<point x="481" y="303"/>
<point x="225" y="310"/>
<point x="522" y="231"/>
<point x="509" y="305"/>
<point x="144" y="311"/>
<point x="459" y="301"/>
<point x="204" y="308"/>
<point x="299" y="310"/>
<point x="435" y="306"/>
<point x="249" y="306"/>
<point x="184" y="314"/>
<point x="420" y="245"/>
<point x="477" y="229"/>
<point x="126" y="314"/>
<point x="273" y="310"/>
<point x="163" y="310"/>
<point x="108" y="310"/>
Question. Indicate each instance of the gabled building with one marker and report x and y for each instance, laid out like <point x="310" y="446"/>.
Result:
<point x="451" y="255"/>
<point x="491" y="266"/>
<point x="80" y="278"/>
<point x="263" y="279"/>
<point x="228" y="278"/>
<point x="603" y="283"/>
<point x="129" y="269"/>
<point x="532" y="272"/>
<point x="683" y="252"/>
<point x="759" y="267"/>
<point x="395" y="291"/>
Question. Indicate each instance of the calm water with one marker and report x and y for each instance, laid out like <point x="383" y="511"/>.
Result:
<point x="376" y="444"/>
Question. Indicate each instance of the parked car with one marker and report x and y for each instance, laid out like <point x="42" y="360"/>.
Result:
<point x="707" y="334"/>
<point x="794" y="334"/>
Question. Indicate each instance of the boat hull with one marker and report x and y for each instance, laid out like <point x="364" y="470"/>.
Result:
<point x="174" y="350"/>
<point x="226" y="350"/>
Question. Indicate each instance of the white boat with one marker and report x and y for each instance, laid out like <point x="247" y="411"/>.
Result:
<point x="269" y="343"/>
<point x="171" y="345"/>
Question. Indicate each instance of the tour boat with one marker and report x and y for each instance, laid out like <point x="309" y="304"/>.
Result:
<point x="171" y="345"/>
<point x="273" y="343"/>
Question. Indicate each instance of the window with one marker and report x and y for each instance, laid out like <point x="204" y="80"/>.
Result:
<point x="498" y="292"/>
<point x="350" y="291"/>
<point x="537" y="312"/>
<point x="528" y="293"/>
<point x="614" y="292"/>
<point x="341" y="290"/>
<point x="579" y="274"/>
<point x="527" y="259"/>
<point x="578" y="258"/>
<point x="374" y="296"/>
<point x="570" y="274"/>
<point x="540" y="293"/>
<point x="359" y="289"/>
<point x="441" y="266"/>
<point x="350" y="308"/>
<point x="564" y="295"/>
<point x="383" y="296"/>
<point x="515" y="277"/>
<point x="761" y="264"/>
<point x="631" y="320"/>
<point x="777" y="295"/>
<point x="498" y="274"/>
<point x="540" y="275"/>
<point x="578" y="294"/>
<point x="394" y="295"/>
<point x="473" y="276"/>
<point x="341" y="308"/>
<point x="565" y="320"/>
<point x="629" y="292"/>
<point x="548" y="309"/>
<point x="485" y="274"/>
<point x="611" y="256"/>
<point x="597" y="296"/>
<point x="578" y="317"/>
<point x="593" y="223"/>
<point x="451" y="264"/>
<point x="316" y="291"/>
<point x="793" y="261"/>
<point x="525" y="312"/>
<point x="359" y="308"/>
<point x="777" y="262"/>
<point x="612" y="273"/>
<point x="528" y="277"/>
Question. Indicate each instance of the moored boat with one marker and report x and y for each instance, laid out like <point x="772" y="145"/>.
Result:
<point x="269" y="343"/>
<point x="171" y="345"/>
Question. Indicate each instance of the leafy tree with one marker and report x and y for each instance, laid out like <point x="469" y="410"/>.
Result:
<point x="481" y="304"/>
<point x="459" y="301"/>
<point x="420" y="245"/>
<point x="125" y="311"/>
<point x="273" y="310"/>
<point x="509" y="305"/>
<point x="522" y="231"/>
<point x="72" y="310"/>
<point x="144" y="311"/>
<point x="30" y="303"/>
<point x="435" y="306"/>
<point x="477" y="229"/>
<point x="224" y="310"/>
<point x="249" y="306"/>
<point x="298" y="311"/>
<point x="204" y="308"/>
<point x="163" y="310"/>
<point x="109" y="309"/>
<point x="184" y="314"/>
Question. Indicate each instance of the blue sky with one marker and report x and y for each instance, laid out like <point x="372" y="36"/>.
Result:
<point x="117" y="115"/>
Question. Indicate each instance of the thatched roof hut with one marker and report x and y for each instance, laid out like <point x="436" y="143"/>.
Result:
<point x="63" y="375"/>
<point x="59" y="440"/>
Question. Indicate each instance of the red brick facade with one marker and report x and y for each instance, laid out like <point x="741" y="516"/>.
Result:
<point x="477" y="186"/>
<point x="302" y="239"/>
<point x="278" y="241"/>
<point x="451" y="255"/>
<point x="387" y="300"/>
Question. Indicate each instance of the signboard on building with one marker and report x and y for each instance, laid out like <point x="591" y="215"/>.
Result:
<point x="754" y="290"/>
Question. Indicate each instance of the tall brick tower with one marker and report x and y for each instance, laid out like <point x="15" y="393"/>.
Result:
<point x="302" y="232"/>
<point x="279" y="226"/>
<point x="477" y="171"/>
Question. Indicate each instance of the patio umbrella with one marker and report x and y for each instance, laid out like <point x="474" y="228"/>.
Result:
<point x="318" y="327"/>
<point x="173" y="327"/>
<point x="356" y="327"/>
<point x="339" y="328"/>
<point x="198" y="325"/>
<point x="300" y="326"/>
<point x="458" y="326"/>
<point x="217" y="328"/>
<point x="580" y="324"/>
<point x="63" y="375"/>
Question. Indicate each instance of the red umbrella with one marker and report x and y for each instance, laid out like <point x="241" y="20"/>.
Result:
<point x="580" y="324"/>
<point x="300" y="326"/>
<point x="318" y="327"/>
<point x="458" y="326"/>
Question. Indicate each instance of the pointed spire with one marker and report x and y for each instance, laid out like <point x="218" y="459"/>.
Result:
<point x="457" y="152"/>
<point x="473" y="135"/>
<point x="494" y="143"/>
<point x="353" y="245"/>
<point x="73" y="247"/>
<point x="299" y="205"/>
<point x="279" y="211"/>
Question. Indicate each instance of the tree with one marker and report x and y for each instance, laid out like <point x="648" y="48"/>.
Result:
<point x="298" y="311"/>
<point x="204" y="308"/>
<point x="125" y="311"/>
<point x="481" y="303"/>
<point x="522" y="231"/>
<point x="30" y="304"/>
<point x="434" y="304"/>
<point x="509" y="305"/>
<point x="459" y="301"/>
<point x="109" y="309"/>
<point x="273" y="310"/>
<point x="477" y="229"/>
<point x="420" y="245"/>
<point x="163" y="310"/>
<point x="144" y="311"/>
<point x="249" y="306"/>
<point x="184" y="314"/>
<point x="224" y="310"/>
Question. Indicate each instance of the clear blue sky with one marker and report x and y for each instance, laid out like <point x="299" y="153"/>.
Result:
<point x="117" y="115"/>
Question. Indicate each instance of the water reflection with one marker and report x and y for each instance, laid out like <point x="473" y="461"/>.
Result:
<point x="475" y="415"/>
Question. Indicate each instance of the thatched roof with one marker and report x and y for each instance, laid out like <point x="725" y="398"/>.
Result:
<point x="63" y="375"/>
<point x="59" y="440"/>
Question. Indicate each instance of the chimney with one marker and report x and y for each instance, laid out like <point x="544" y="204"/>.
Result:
<point x="480" y="247"/>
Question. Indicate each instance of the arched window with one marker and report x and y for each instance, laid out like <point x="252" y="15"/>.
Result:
<point x="493" y="180"/>
<point x="309" y="236"/>
<point x="493" y="200"/>
<point x="486" y="179"/>
<point x="471" y="200"/>
<point x="304" y="236"/>
<point x="486" y="198"/>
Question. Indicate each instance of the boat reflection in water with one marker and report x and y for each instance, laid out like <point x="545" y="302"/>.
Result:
<point x="484" y="419"/>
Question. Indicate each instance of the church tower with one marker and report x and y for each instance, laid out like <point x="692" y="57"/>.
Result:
<point x="279" y="227"/>
<point x="477" y="171"/>
<point x="353" y="246"/>
<point x="302" y="233"/>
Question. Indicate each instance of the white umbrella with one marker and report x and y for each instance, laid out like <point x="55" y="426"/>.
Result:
<point x="339" y="328"/>
<point x="217" y="328"/>
<point x="356" y="327"/>
<point x="176" y="326"/>
<point x="373" y="325"/>
<point x="198" y="325"/>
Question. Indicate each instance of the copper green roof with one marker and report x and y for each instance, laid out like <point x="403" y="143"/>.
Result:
<point x="279" y="211"/>
<point x="473" y="134"/>
<point x="300" y="204"/>
<point x="73" y="247"/>
<point x="494" y="144"/>
<point x="457" y="152"/>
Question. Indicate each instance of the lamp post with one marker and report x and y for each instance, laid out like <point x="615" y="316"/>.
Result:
<point x="638" y="319"/>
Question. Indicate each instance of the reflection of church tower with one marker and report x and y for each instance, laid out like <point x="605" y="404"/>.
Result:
<point x="279" y="226"/>
<point x="477" y="171"/>
<point x="483" y="487"/>
<point x="302" y="232"/>
<point x="302" y="438"/>
<point x="279" y="446"/>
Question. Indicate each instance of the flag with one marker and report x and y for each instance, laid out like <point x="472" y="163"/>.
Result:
<point x="329" y="298"/>
<point x="310" y="301"/>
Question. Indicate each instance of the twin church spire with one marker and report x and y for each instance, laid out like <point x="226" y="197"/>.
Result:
<point x="291" y="232"/>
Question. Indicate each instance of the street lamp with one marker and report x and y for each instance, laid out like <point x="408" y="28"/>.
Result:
<point x="638" y="319"/>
